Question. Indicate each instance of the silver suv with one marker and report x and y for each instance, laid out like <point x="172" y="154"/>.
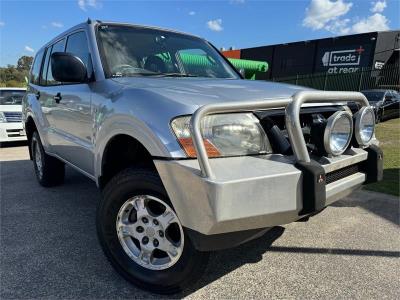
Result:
<point x="189" y="156"/>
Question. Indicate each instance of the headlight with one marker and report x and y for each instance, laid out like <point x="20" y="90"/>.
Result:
<point x="224" y="135"/>
<point x="2" y="118"/>
<point x="338" y="133"/>
<point x="364" y="126"/>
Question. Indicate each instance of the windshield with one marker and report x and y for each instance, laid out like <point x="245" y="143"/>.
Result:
<point x="374" y="96"/>
<point x="133" y="51"/>
<point x="11" y="97"/>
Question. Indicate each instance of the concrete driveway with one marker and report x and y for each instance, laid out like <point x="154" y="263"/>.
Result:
<point x="49" y="248"/>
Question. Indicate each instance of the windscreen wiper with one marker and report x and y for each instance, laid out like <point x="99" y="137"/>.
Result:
<point x="133" y="74"/>
<point x="177" y="75"/>
<point x="154" y="74"/>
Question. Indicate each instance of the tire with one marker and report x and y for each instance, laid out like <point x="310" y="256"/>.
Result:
<point x="49" y="170"/>
<point x="130" y="184"/>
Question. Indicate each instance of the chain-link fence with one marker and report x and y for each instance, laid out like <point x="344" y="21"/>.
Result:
<point x="364" y="79"/>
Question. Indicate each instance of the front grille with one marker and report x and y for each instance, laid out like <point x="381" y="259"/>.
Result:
<point x="312" y="132"/>
<point x="15" y="132"/>
<point x="341" y="173"/>
<point x="13" y="116"/>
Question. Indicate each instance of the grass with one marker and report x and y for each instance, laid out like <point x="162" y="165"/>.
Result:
<point x="388" y="134"/>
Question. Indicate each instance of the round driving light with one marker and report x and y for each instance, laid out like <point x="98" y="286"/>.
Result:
<point x="365" y="126"/>
<point x="338" y="133"/>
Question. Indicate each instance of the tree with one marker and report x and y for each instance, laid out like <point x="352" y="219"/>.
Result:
<point x="24" y="63"/>
<point x="15" y="75"/>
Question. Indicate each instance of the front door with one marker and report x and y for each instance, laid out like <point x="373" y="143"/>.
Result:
<point x="391" y="105"/>
<point x="69" y="110"/>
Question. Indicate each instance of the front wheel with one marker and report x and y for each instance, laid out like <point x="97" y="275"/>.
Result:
<point x="142" y="236"/>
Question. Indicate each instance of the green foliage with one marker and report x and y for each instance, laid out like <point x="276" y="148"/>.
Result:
<point x="24" y="63"/>
<point x="14" y="76"/>
<point x="388" y="134"/>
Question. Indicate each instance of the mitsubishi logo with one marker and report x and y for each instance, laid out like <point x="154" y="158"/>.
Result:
<point x="320" y="178"/>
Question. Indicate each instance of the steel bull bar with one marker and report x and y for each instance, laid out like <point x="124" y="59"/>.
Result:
<point x="315" y="190"/>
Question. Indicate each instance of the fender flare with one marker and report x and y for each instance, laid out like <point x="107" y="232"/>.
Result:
<point x="129" y="127"/>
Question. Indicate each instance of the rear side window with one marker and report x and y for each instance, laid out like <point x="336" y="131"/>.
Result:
<point x="77" y="44"/>
<point x="57" y="47"/>
<point x="35" y="71"/>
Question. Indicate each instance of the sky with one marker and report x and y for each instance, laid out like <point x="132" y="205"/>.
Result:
<point x="26" y="25"/>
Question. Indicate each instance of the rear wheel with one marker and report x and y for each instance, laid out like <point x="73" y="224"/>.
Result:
<point x="49" y="170"/>
<point x="142" y="236"/>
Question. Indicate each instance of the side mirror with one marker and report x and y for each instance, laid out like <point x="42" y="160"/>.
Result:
<point x="388" y="98"/>
<point x="66" y="67"/>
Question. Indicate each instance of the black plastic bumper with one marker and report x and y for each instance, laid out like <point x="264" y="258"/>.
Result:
<point x="373" y="166"/>
<point x="314" y="195"/>
<point x="314" y="179"/>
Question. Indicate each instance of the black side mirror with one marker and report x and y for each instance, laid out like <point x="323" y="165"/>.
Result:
<point x="67" y="67"/>
<point x="388" y="98"/>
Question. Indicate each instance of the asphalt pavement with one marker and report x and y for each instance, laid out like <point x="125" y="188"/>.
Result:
<point x="49" y="248"/>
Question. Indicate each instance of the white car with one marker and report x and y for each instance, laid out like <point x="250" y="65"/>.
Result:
<point x="11" y="128"/>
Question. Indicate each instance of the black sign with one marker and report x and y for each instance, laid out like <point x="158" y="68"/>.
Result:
<point x="343" y="60"/>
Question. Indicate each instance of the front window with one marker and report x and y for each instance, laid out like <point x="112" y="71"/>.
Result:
<point x="11" y="97"/>
<point x="134" y="51"/>
<point x="374" y="97"/>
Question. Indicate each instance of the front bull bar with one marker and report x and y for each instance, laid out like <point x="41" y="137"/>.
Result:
<point x="292" y="119"/>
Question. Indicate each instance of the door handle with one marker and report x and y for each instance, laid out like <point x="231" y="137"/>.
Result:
<point x="37" y="94"/>
<point x="57" y="98"/>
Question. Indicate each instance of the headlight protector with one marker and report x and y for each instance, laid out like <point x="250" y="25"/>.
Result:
<point x="338" y="132"/>
<point x="224" y="135"/>
<point x="364" y="126"/>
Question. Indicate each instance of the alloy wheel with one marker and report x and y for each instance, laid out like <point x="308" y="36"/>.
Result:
<point x="150" y="232"/>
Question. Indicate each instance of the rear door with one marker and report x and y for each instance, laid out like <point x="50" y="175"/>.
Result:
<point x="34" y="91"/>
<point x="392" y="105"/>
<point x="47" y="96"/>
